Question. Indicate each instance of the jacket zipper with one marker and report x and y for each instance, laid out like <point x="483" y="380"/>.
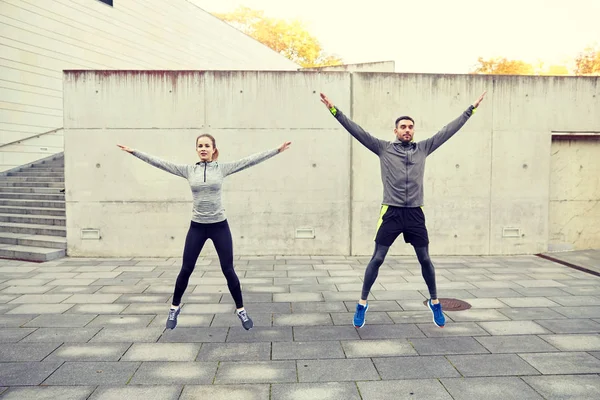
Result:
<point x="205" y="172"/>
<point x="406" y="191"/>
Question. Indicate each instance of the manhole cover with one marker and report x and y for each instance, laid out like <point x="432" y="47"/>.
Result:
<point x="452" y="304"/>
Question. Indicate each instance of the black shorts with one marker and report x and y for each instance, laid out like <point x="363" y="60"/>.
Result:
<point x="407" y="220"/>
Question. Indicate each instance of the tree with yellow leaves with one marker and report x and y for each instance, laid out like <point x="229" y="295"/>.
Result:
<point x="288" y="38"/>
<point x="588" y="62"/>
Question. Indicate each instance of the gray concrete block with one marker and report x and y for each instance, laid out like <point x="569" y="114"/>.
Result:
<point x="377" y="348"/>
<point x="61" y="335"/>
<point x="372" y="318"/>
<point x="451" y="345"/>
<point x="154" y="392"/>
<point x="96" y="308"/>
<point x="12" y="352"/>
<point x="314" y="333"/>
<point x="414" y="389"/>
<point x="327" y="390"/>
<point x="260" y="334"/>
<point x="497" y="328"/>
<point x="525" y="314"/>
<point x="576" y="312"/>
<point x="577" y="342"/>
<point x="26" y="373"/>
<point x="336" y="370"/>
<point x="194" y="335"/>
<point x="268" y="308"/>
<point x="13" y="335"/>
<point x="256" y="372"/>
<point x="48" y="393"/>
<point x="89" y="352"/>
<point x="127" y="335"/>
<point x="571" y="325"/>
<point x="40" y="309"/>
<point x="452" y="329"/>
<point x="391" y="368"/>
<point x="490" y="388"/>
<point x="491" y="365"/>
<point x="235" y="352"/>
<point x="169" y="373"/>
<point x="515" y="344"/>
<point x="93" y="373"/>
<point x="318" y="307"/>
<point x="566" y="387"/>
<point x="14" y="321"/>
<point x="231" y="320"/>
<point x="226" y="392"/>
<point x="298" y="319"/>
<point x="563" y="363"/>
<point x="162" y="352"/>
<point x="60" y="321"/>
<point x="113" y="321"/>
<point x="476" y="315"/>
<point x="307" y="350"/>
<point x="396" y="331"/>
<point x="495" y="292"/>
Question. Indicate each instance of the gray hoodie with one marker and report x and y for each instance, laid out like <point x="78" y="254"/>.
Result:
<point x="206" y="181"/>
<point x="402" y="164"/>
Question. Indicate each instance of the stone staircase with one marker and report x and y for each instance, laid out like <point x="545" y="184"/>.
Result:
<point x="32" y="212"/>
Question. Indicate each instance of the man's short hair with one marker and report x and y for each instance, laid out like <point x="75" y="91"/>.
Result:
<point x="404" y="117"/>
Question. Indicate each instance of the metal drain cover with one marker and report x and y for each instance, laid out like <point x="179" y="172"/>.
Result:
<point x="452" y="304"/>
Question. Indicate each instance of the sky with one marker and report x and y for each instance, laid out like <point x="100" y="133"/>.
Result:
<point x="439" y="36"/>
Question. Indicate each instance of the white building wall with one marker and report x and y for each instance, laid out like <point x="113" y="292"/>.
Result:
<point x="41" y="38"/>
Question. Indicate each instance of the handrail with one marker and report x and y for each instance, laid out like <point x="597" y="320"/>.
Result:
<point x="30" y="137"/>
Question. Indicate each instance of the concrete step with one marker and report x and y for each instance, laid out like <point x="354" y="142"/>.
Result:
<point x="49" y="168"/>
<point x="28" y="253"/>
<point x="33" y="219"/>
<point x="22" y="239"/>
<point x="28" y="173"/>
<point x="32" y="196"/>
<point x="32" y="203"/>
<point x="58" y="212"/>
<point x="4" y="183"/>
<point x="32" y="229"/>
<point x="32" y="189"/>
<point x="33" y="179"/>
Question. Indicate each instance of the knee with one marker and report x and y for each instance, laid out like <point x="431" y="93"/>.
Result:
<point x="378" y="259"/>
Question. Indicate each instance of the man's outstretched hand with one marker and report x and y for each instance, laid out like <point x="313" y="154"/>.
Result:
<point x="326" y="101"/>
<point x="479" y="100"/>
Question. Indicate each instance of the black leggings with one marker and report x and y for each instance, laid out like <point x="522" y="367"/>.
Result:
<point x="197" y="235"/>
<point x="379" y="256"/>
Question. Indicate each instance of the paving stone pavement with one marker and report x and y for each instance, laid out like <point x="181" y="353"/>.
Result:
<point x="89" y="328"/>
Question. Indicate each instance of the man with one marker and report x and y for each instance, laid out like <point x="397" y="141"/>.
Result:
<point x="402" y="169"/>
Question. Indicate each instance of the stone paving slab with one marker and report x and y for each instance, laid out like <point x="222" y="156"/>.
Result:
<point x="414" y="389"/>
<point x="93" y="373"/>
<point x="169" y="373"/>
<point x="327" y="390"/>
<point x="575" y="387"/>
<point x="95" y="328"/>
<point x="226" y="392"/>
<point x="49" y="393"/>
<point x="153" y="392"/>
<point x="490" y="388"/>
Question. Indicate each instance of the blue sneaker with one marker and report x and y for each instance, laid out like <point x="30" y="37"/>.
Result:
<point x="359" y="315"/>
<point x="172" y="319"/>
<point x="438" y="315"/>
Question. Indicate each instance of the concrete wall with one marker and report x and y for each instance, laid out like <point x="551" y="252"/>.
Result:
<point x="379" y="66"/>
<point x="40" y="39"/>
<point x="486" y="190"/>
<point x="575" y="194"/>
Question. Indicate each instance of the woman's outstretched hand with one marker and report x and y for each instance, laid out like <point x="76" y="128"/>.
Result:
<point x="284" y="146"/>
<point x="125" y="148"/>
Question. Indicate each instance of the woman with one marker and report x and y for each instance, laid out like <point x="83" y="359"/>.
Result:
<point x="208" y="216"/>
